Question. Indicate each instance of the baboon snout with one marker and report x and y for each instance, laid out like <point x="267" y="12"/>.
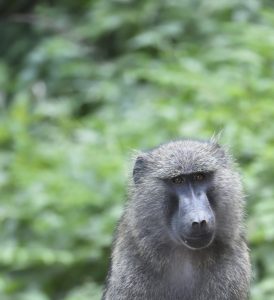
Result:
<point x="197" y="231"/>
<point x="201" y="225"/>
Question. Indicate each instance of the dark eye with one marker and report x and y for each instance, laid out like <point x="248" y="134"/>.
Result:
<point x="178" y="179"/>
<point x="199" y="177"/>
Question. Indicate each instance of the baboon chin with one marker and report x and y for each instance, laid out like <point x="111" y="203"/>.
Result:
<point x="181" y="236"/>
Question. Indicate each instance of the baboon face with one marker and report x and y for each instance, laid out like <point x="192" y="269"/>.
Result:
<point x="189" y="213"/>
<point x="185" y="190"/>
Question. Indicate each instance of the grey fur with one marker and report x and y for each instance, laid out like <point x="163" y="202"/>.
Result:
<point x="147" y="265"/>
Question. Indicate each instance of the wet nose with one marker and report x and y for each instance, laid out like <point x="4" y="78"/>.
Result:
<point x="200" y="226"/>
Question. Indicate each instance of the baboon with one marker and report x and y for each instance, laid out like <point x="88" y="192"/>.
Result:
<point x="181" y="236"/>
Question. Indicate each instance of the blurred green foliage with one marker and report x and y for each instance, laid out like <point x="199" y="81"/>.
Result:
<point x="82" y="84"/>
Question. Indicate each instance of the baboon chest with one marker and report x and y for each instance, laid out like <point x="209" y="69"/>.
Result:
<point x="182" y="281"/>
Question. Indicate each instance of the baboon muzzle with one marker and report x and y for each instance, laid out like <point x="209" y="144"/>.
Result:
<point x="196" y="220"/>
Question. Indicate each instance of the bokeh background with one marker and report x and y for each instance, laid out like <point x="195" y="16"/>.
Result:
<point x="84" y="83"/>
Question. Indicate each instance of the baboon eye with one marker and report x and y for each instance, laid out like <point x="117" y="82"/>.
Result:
<point x="178" y="179"/>
<point x="199" y="177"/>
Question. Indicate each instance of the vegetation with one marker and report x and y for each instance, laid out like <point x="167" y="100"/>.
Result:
<point x="83" y="84"/>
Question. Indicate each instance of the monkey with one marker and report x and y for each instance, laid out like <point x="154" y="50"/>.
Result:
<point x="182" y="233"/>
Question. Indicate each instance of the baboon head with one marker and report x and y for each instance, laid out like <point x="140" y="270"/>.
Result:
<point x="186" y="193"/>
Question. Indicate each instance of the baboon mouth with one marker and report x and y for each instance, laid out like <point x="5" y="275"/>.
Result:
<point x="198" y="242"/>
<point x="199" y="237"/>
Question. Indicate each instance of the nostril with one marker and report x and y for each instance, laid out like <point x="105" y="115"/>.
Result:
<point x="195" y="225"/>
<point x="203" y="224"/>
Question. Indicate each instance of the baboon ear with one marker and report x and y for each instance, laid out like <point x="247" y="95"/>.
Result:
<point x="220" y="152"/>
<point x="139" y="169"/>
